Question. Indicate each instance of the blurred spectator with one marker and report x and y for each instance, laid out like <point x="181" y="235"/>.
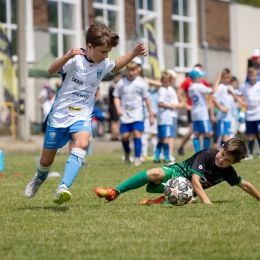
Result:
<point x="42" y="96"/>
<point x="114" y="123"/>
<point x="46" y="107"/>
<point x="255" y="62"/>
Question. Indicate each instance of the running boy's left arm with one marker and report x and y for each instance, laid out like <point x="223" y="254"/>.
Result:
<point x="250" y="189"/>
<point x="149" y="108"/>
<point x="121" y="62"/>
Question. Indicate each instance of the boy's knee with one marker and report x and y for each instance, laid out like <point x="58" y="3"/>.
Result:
<point x="155" y="175"/>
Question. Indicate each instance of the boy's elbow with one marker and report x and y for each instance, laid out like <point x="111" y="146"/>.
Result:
<point x="50" y="71"/>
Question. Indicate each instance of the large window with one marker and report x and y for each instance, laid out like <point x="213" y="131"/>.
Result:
<point x="64" y="25"/>
<point x="184" y="38"/>
<point x="107" y="12"/>
<point x="8" y="19"/>
<point x="111" y="13"/>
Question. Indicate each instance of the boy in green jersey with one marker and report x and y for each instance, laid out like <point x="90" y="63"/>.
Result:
<point x="204" y="169"/>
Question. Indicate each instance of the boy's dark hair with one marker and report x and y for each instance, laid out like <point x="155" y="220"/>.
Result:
<point x="236" y="148"/>
<point x="225" y="72"/>
<point x="99" y="34"/>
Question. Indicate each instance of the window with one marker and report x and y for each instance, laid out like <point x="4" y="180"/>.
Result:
<point x="64" y="25"/>
<point x="8" y="19"/>
<point x="183" y="32"/>
<point x="107" y="12"/>
<point x="111" y="13"/>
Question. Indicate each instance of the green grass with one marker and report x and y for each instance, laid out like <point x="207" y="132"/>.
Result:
<point x="87" y="228"/>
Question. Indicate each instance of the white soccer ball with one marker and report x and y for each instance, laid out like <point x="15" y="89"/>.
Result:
<point x="178" y="191"/>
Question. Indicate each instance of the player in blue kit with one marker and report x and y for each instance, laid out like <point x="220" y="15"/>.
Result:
<point x="130" y="93"/>
<point x="71" y="114"/>
<point x="199" y="111"/>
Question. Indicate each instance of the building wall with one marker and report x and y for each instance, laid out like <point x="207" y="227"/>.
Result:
<point x="167" y="21"/>
<point x="245" y="37"/>
<point x="130" y="19"/>
<point x="216" y="23"/>
<point x="40" y="14"/>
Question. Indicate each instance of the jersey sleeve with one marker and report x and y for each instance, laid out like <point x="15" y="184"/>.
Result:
<point x="68" y="66"/>
<point x="145" y="90"/>
<point x="161" y="94"/>
<point x="109" y="66"/>
<point x="232" y="178"/>
<point x="204" y="89"/>
<point x="200" y="162"/>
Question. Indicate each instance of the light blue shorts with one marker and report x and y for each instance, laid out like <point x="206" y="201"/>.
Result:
<point x="202" y="127"/>
<point x="223" y="128"/>
<point x="165" y="131"/>
<point x="56" y="138"/>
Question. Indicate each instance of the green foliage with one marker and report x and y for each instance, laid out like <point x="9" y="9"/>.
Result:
<point x="87" y="228"/>
<point x="248" y="2"/>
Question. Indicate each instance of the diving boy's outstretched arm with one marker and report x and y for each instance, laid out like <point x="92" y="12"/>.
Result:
<point x="250" y="189"/>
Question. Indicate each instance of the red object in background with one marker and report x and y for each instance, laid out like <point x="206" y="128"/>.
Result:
<point x="2" y="175"/>
<point x="18" y="175"/>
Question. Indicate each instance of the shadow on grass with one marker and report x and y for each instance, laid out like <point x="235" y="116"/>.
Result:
<point x="54" y="208"/>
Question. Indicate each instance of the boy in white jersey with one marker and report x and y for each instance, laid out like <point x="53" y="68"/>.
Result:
<point x="71" y="114"/>
<point x="166" y="104"/>
<point x="199" y="110"/>
<point x="129" y="94"/>
<point x="251" y="93"/>
<point x="224" y="99"/>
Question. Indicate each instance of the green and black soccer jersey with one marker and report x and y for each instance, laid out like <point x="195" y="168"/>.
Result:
<point x="203" y="164"/>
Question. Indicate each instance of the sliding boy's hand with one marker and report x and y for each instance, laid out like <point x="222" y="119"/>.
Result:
<point x="140" y="49"/>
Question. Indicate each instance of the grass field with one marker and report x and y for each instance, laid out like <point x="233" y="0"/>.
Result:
<point x="87" y="228"/>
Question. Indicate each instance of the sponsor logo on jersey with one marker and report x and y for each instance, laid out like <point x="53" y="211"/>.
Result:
<point x="85" y="96"/>
<point x="74" y="108"/>
<point x="99" y="72"/>
<point x="52" y="135"/>
<point x="92" y="85"/>
<point x="200" y="167"/>
<point x="77" y="81"/>
<point x="80" y="70"/>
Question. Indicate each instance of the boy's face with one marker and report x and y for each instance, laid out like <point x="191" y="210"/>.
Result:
<point x="98" y="53"/>
<point x="253" y="78"/>
<point x="197" y="80"/>
<point x="166" y="82"/>
<point x="222" y="160"/>
<point x="226" y="79"/>
<point x="131" y="74"/>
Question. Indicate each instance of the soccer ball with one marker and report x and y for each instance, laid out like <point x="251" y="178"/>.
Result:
<point x="178" y="191"/>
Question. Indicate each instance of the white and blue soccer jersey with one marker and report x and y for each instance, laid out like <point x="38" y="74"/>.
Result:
<point x="251" y="95"/>
<point x="199" y="111"/>
<point x="164" y="116"/>
<point x="175" y="100"/>
<point x="76" y="97"/>
<point x="132" y="95"/>
<point x="225" y="99"/>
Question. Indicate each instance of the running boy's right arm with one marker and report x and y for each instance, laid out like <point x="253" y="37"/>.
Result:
<point x="59" y="63"/>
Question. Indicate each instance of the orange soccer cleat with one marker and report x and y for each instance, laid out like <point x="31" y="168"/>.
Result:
<point x="150" y="202"/>
<point x="108" y="193"/>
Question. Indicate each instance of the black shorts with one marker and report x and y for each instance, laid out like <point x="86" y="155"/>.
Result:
<point x="113" y="114"/>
